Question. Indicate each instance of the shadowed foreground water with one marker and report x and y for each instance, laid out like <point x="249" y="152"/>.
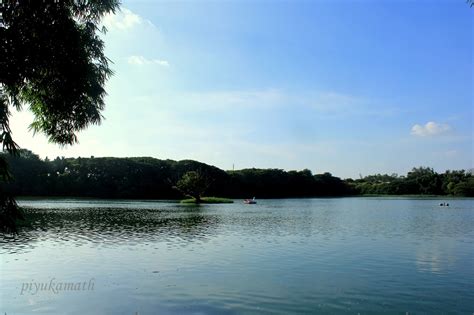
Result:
<point x="349" y="255"/>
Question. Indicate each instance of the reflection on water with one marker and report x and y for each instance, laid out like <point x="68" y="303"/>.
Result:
<point x="346" y="255"/>
<point x="429" y="259"/>
<point x="105" y="226"/>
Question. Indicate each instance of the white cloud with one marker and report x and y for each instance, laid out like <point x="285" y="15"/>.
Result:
<point x="124" y="19"/>
<point x="430" y="129"/>
<point x="140" y="61"/>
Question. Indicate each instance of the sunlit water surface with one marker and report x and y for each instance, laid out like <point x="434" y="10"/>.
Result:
<point x="348" y="255"/>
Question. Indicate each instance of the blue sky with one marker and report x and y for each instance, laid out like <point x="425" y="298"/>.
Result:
<point x="349" y="87"/>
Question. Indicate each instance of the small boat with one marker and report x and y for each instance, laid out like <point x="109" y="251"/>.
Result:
<point x="250" y="201"/>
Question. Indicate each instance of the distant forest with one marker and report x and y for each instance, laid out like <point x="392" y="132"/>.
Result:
<point x="150" y="178"/>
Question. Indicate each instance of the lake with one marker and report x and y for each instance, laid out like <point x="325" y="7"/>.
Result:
<point x="335" y="255"/>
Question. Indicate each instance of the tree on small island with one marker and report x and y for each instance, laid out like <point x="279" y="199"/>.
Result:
<point x="193" y="184"/>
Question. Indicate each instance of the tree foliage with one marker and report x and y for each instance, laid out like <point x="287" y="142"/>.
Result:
<point x="194" y="184"/>
<point x="52" y="62"/>
<point x="419" y="181"/>
<point x="149" y="178"/>
<point x="140" y="177"/>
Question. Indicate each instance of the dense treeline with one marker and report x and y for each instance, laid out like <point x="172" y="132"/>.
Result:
<point x="150" y="178"/>
<point x="420" y="181"/>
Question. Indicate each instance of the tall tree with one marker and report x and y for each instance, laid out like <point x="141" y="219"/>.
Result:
<point x="193" y="184"/>
<point x="53" y="63"/>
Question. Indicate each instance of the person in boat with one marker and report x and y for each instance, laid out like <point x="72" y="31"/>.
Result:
<point x="250" y="201"/>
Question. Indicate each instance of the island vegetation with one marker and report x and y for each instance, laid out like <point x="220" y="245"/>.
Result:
<point x="150" y="178"/>
<point x="194" y="184"/>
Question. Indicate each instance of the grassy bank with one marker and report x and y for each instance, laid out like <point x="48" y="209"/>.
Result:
<point x="208" y="200"/>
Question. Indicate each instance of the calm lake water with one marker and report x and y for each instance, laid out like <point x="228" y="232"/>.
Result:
<point x="347" y="255"/>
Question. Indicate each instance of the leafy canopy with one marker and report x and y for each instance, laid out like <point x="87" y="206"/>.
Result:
<point x="53" y="62"/>
<point x="193" y="184"/>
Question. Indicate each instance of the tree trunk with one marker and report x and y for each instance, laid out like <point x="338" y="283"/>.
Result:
<point x="198" y="199"/>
